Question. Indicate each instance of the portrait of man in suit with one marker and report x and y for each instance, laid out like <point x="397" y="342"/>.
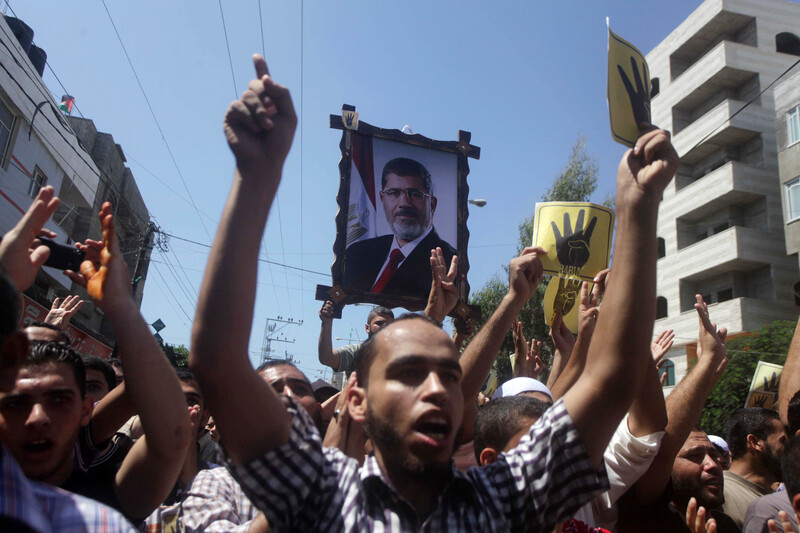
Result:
<point x="399" y="263"/>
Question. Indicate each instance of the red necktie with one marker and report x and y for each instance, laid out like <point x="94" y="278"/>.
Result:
<point x="394" y="261"/>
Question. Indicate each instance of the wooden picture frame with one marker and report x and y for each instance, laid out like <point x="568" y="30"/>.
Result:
<point x="365" y="234"/>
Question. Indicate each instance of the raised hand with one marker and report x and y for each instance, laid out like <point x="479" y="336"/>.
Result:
<point x="645" y="170"/>
<point x="573" y="247"/>
<point x="659" y="348"/>
<point x="260" y="126"/>
<point x="326" y="312"/>
<point x="696" y="519"/>
<point x="566" y="295"/>
<point x="525" y="273"/>
<point x="444" y="293"/>
<point x="563" y="339"/>
<point x="61" y="312"/>
<point x="527" y="355"/>
<point x="589" y="308"/>
<point x="711" y="342"/>
<point x="20" y="252"/>
<point x="639" y="96"/>
<point x="104" y="274"/>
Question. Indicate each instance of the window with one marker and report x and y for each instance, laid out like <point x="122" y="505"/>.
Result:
<point x="725" y="294"/>
<point x="793" y="126"/>
<point x="793" y="199"/>
<point x="661" y="307"/>
<point x="38" y="181"/>
<point x="7" y="119"/>
<point x="668" y="368"/>
<point x="662" y="248"/>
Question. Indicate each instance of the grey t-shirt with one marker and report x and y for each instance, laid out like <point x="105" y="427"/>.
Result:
<point x="765" y="508"/>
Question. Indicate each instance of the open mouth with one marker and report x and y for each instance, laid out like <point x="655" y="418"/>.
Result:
<point x="38" y="446"/>
<point x="435" y="428"/>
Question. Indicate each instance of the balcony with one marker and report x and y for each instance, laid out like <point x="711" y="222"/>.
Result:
<point x="738" y="315"/>
<point x="733" y="183"/>
<point x="735" y="249"/>
<point x="726" y="66"/>
<point x="724" y="26"/>
<point x="718" y="128"/>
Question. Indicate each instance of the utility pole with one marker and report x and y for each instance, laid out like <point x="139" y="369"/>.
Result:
<point x="274" y="332"/>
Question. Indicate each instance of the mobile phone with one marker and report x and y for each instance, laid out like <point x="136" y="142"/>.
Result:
<point x="63" y="256"/>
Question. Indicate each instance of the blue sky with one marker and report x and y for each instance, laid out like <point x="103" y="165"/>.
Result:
<point x="526" y="78"/>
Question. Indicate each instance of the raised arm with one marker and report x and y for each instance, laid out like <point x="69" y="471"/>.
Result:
<point x="20" y="252"/>
<point x="62" y="312"/>
<point x="444" y="294"/>
<point x="327" y="355"/>
<point x="790" y="378"/>
<point x="685" y="405"/>
<point x="619" y="352"/>
<point x="151" y="467"/>
<point x="249" y="414"/>
<point x="525" y="273"/>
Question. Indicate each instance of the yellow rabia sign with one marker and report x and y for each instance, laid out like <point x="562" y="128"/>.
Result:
<point x="628" y="89"/>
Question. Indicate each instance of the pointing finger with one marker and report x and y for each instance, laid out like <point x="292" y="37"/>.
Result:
<point x="261" y="66"/>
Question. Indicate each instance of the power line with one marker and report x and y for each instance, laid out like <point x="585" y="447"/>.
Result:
<point x="155" y="267"/>
<point x="228" y="46"/>
<point x="260" y="259"/>
<point x="155" y="119"/>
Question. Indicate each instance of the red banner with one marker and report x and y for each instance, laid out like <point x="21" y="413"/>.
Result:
<point x="82" y="342"/>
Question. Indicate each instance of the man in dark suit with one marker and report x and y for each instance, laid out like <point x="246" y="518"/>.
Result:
<point x="399" y="264"/>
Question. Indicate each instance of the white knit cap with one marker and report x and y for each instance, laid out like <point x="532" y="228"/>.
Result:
<point x="719" y="442"/>
<point x="516" y="386"/>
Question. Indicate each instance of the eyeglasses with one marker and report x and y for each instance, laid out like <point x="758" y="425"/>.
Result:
<point x="412" y="194"/>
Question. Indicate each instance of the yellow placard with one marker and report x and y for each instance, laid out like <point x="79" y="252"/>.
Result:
<point x="764" y="387"/>
<point x="490" y="385"/>
<point x="628" y="89"/>
<point x="564" y="294"/>
<point x="576" y="236"/>
<point x="350" y="120"/>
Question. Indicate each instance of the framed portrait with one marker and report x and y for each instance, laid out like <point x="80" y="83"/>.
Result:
<point x="400" y="196"/>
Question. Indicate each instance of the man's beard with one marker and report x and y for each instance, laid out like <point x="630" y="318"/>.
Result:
<point x="386" y="438"/>
<point x="408" y="229"/>
<point x="772" y="460"/>
<point x="682" y="490"/>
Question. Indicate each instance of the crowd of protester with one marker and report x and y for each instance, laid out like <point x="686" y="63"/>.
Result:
<point x="410" y="443"/>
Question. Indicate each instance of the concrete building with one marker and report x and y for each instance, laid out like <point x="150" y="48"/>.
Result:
<point x="720" y="228"/>
<point x="787" y="125"/>
<point x="40" y="145"/>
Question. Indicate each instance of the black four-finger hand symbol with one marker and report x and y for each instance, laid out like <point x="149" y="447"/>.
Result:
<point x="566" y="295"/>
<point x="573" y="248"/>
<point x="640" y="96"/>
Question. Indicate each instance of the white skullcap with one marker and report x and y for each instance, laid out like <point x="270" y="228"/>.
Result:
<point x="718" y="442"/>
<point x="517" y="386"/>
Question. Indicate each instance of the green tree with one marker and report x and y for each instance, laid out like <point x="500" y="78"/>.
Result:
<point x="178" y="355"/>
<point x="575" y="183"/>
<point x="769" y="344"/>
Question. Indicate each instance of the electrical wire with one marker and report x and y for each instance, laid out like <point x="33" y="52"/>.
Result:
<point x="155" y="119"/>
<point x="228" y="47"/>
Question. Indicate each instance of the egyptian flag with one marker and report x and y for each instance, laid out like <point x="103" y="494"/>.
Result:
<point x="361" y="223"/>
<point x="66" y="104"/>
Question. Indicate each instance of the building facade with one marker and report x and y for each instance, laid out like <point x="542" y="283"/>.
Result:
<point x="40" y="145"/>
<point x="720" y="227"/>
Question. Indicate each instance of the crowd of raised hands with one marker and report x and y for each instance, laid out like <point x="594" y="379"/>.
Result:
<point x="411" y="443"/>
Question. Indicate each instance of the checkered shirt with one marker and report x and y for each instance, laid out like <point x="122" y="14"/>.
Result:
<point x="47" y="509"/>
<point x="302" y="486"/>
<point x="216" y="503"/>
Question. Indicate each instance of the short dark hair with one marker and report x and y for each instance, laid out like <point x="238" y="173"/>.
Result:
<point x="367" y="351"/>
<point x="379" y="310"/>
<point x="790" y="466"/>
<point x="44" y="352"/>
<point x="499" y="420"/>
<point x="9" y="305"/>
<point x="403" y="166"/>
<point x="748" y="421"/>
<point x="280" y="362"/>
<point x="114" y="362"/>
<point x="95" y="363"/>
<point x="793" y="414"/>
<point x="36" y="324"/>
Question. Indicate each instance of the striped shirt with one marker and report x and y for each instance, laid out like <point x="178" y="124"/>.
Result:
<point x="216" y="503"/>
<point x="302" y="486"/>
<point x="45" y="509"/>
